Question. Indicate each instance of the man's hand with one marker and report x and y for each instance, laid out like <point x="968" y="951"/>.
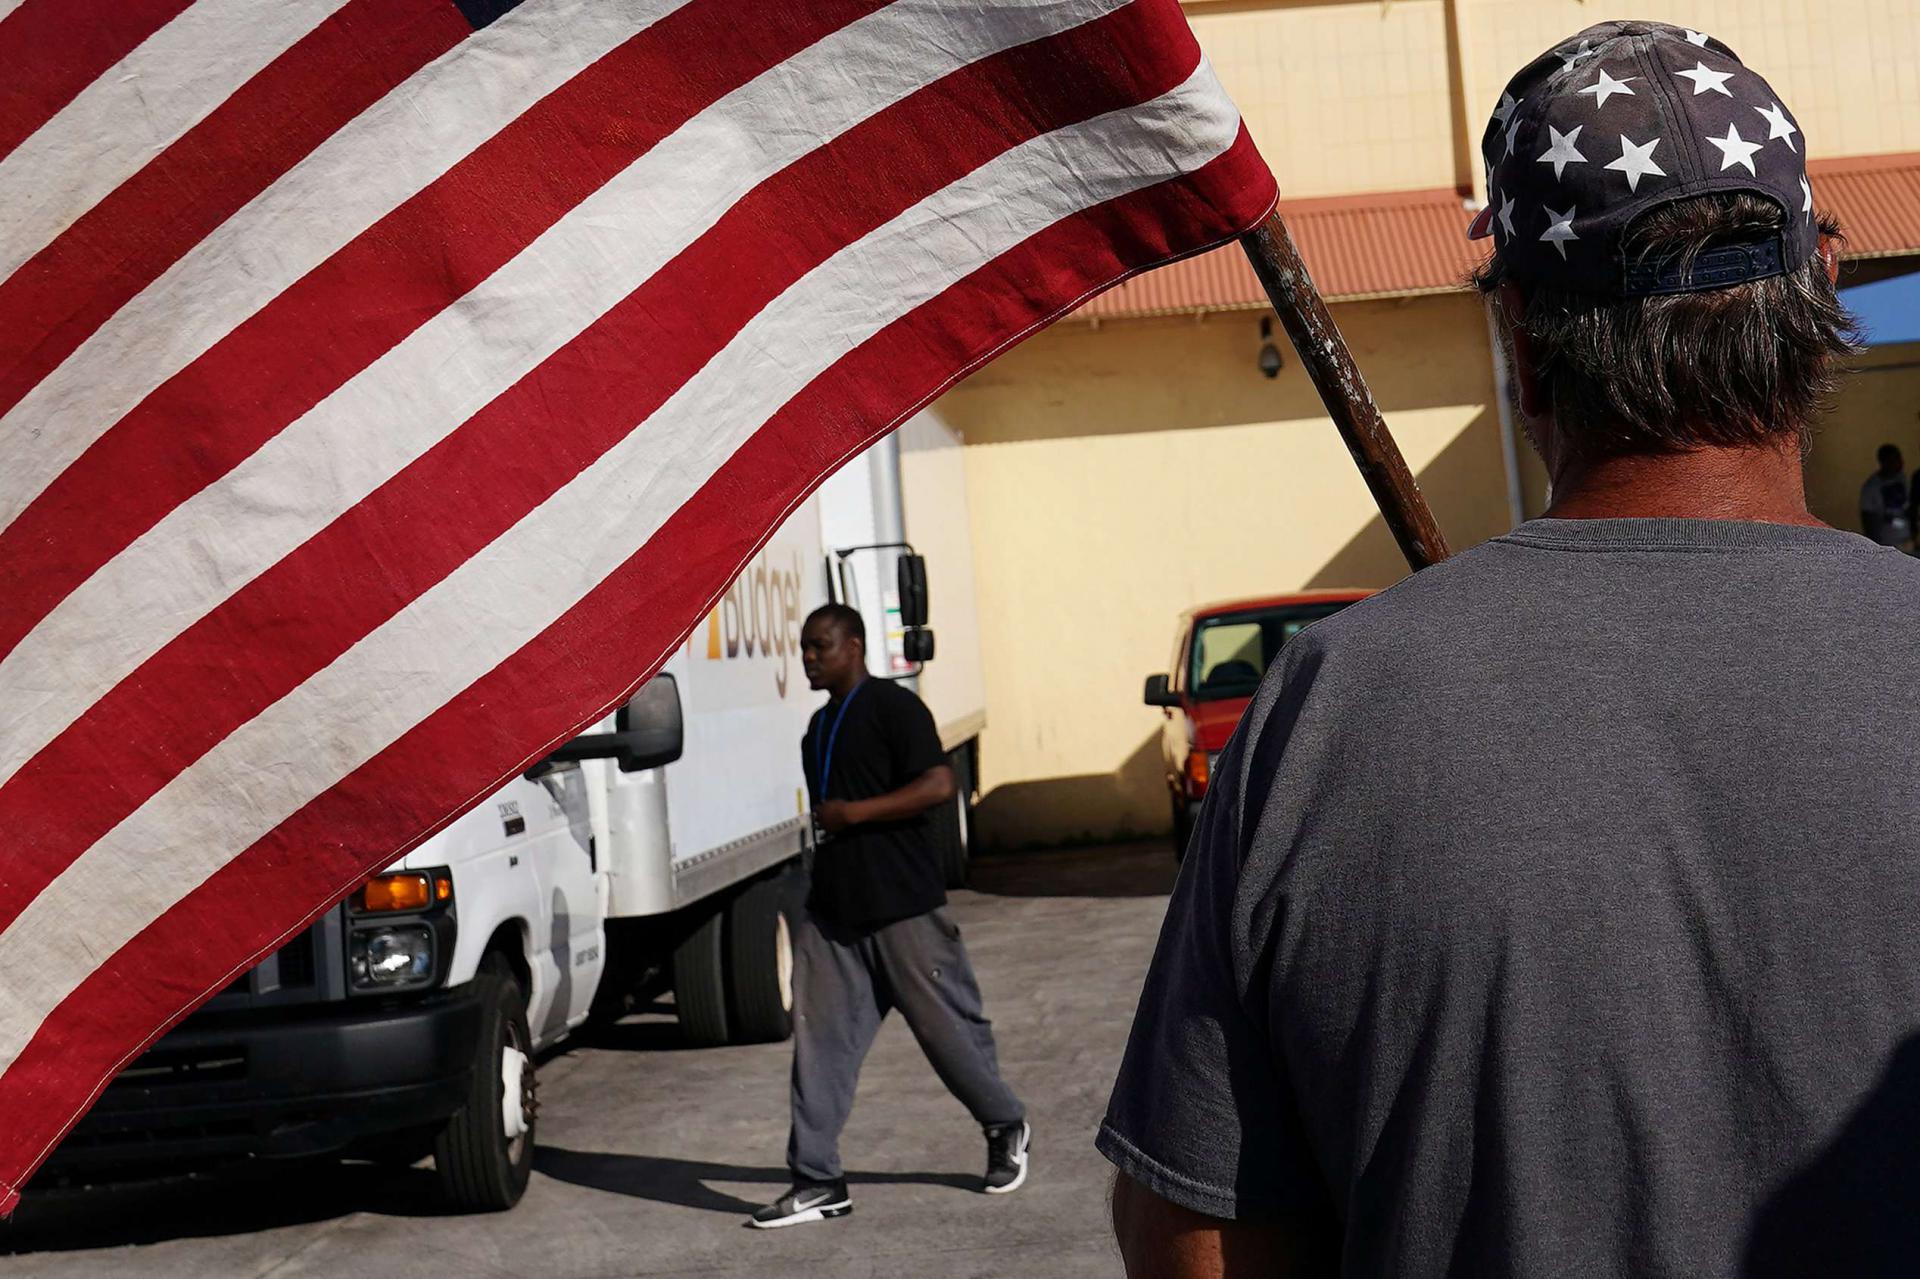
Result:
<point x="935" y="786"/>
<point x="1162" y="1240"/>
<point x="835" y="815"/>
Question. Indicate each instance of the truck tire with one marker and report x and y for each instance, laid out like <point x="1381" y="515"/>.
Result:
<point x="953" y="825"/>
<point x="482" y="1164"/>
<point x="760" y="961"/>
<point x="1183" y="822"/>
<point x="700" y="983"/>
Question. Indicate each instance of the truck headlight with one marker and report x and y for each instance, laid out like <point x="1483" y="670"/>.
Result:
<point x="394" y="958"/>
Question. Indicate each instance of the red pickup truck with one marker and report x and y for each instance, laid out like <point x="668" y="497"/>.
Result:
<point x="1219" y="654"/>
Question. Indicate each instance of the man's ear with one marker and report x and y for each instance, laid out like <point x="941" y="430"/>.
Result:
<point x="1513" y="309"/>
<point x="1830" y="257"/>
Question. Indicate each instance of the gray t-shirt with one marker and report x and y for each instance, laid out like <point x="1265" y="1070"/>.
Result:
<point x="1557" y="913"/>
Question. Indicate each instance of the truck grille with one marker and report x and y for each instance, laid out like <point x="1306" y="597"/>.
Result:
<point x="310" y="968"/>
<point x="163" y="1066"/>
<point x="289" y="968"/>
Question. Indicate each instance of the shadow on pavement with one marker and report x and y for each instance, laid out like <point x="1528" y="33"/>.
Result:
<point x="211" y="1205"/>
<point x="683" y="1182"/>
<point x="1108" y="870"/>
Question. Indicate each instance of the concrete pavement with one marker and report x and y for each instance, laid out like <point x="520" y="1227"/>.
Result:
<point x="652" y="1154"/>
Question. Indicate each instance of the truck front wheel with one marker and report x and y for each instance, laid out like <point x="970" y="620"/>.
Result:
<point x="484" y="1154"/>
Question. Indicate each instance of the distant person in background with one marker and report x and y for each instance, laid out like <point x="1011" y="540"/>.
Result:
<point x="877" y="934"/>
<point x="1886" y="503"/>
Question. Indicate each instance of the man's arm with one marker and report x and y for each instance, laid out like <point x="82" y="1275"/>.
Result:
<point x="1162" y="1240"/>
<point x="935" y="786"/>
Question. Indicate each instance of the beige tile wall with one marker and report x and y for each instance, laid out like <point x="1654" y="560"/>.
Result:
<point x="1353" y="96"/>
<point x="1848" y="69"/>
<point x="1341" y="97"/>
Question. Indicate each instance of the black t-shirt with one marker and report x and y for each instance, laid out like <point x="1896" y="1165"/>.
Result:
<point x="875" y="873"/>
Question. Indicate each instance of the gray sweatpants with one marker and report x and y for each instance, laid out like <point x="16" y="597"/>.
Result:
<point x="843" y="986"/>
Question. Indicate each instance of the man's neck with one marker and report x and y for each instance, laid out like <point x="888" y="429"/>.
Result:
<point x="1764" y="485"/>
<point x="840" y="691"/>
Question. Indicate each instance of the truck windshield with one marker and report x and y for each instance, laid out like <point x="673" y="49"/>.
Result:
<point x="1231" y="650"/>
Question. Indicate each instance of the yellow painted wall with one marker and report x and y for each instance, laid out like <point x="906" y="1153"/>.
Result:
<point x="1351" y="96"/>
<point x="1118" y="475"/>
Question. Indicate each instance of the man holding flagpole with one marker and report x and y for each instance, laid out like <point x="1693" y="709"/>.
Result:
<point x="1545" y="917"/>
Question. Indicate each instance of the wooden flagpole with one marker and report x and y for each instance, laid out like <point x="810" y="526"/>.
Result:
<point x="1330" y="364"/>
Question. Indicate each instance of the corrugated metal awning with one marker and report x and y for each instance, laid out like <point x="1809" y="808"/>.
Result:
<point x="1405" y="243"/>
<point x="1876" y="198"/>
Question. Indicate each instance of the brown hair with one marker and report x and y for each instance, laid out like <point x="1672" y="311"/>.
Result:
<point x="1730" y="367"/>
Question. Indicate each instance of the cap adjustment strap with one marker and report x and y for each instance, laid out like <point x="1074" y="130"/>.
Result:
<point x="1720" y="267"/>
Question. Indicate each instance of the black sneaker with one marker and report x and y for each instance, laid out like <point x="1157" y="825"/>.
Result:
<point x="1007" y="1148"/>
<point x="805" y="1201"/>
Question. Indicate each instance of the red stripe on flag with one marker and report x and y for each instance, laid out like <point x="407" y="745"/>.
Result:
<point x="60" y="296"/>
<point x="52" y="49"/>
<point x="413" y="788"/>
<point x="385" y="284"/>
<point x="406" y="536"/>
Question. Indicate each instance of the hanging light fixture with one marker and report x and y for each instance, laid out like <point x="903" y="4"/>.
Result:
<point x="1270" y="361"/>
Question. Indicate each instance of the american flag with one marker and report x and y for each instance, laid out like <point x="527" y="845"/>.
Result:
<point x="386" y="386"/>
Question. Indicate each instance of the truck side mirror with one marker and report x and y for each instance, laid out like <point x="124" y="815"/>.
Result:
<point x="650" y="725"/>
<point x="1158" y="693"/>
<point x="912" y="573"/>
<point x="917" y="644"/>
<point x="649" y="730"/>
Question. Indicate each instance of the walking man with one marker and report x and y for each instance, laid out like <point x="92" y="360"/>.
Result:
<point x="1550" y="914"/>
<point x="877" y="934"/>
<point x="1886" y="504"/>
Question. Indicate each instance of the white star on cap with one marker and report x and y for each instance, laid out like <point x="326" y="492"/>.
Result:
<point x="1696" y="37"/>
<point x="1807" y="186"/>
<point x="1778" y="126"/>
<point x="1735" y="149"/>
<point x="1508" y="105"/>
<point x="1506" y="213"/>
<point x="1574" y="59"/>
<point x="1563" y="152"/>
<point x="1705" y="78"/>
<point x="1637" y="162"/>
<point x="1513" y="131"/>
<point x="1559" y="230"/>
<point x="1607" y="86"/>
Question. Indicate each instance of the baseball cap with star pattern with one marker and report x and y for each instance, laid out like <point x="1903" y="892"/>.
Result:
<point x="1620" y="119"/>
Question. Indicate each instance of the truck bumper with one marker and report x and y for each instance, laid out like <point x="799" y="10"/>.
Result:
<point x="282" y="1086"/>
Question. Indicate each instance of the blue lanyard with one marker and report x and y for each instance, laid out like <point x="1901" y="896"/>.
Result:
<point x="825" y="761"/>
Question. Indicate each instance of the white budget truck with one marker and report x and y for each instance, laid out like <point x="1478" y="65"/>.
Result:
<point x="661" y="851"/>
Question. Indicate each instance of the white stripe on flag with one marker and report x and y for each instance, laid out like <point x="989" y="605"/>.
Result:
<point x="504" y="597"/>
<point x="381" y="158"/>
<point x="308" y="475"/>
<point x="137" y="109"/>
